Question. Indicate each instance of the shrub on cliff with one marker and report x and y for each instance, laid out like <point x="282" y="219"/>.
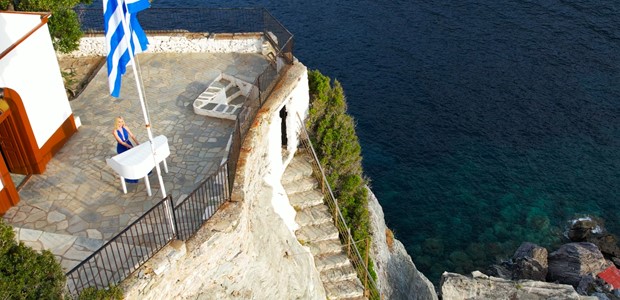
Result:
<point x="113" y="292"/>
<point x="25" y="273"/>
<point x="64" y="25"/>
<point x="333" y="136"/>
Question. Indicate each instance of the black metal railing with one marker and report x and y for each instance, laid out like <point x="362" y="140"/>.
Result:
<point x="137" y="243"/>
<point x="204" y="20"/>
<point x="202" y="203"/>
<point x="360" y="264"/>
<point x="126" y="251"/>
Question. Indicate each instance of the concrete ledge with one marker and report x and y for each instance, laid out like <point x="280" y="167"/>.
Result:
<point x="166" y="256"/>
<point x="180" y="42"/>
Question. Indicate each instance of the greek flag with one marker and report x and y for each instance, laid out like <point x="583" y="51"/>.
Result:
<point x="118" y="46"/>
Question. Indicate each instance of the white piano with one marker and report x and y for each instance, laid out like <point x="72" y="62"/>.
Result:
<point x="138" y="161"/>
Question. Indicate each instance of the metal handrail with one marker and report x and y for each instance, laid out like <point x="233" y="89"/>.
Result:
<point x="119" y="256"/>
<point x="370" y="287"/>
<point x="202" y="20"/>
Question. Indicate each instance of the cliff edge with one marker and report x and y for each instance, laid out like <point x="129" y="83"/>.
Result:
<point x="397" y="275"/>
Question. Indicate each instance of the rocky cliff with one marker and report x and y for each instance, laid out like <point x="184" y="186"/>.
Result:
<point x="248" y="250"/>
<point x="397" y="275"/>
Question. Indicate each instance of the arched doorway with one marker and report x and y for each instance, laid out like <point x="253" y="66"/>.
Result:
<point x="13" y="166"/>
<point x="11" y="143"/>
<point x="284" y="138"/>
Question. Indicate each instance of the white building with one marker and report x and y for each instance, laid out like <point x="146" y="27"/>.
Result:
<point x="36" y="118"/>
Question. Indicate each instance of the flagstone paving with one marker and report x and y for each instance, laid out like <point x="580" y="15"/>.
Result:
<point x="78" y="203"/>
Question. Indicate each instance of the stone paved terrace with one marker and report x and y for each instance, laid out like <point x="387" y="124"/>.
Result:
<point x="78" y="203"/>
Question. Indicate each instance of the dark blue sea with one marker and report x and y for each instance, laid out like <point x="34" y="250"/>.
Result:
<point x="483" y="124"/>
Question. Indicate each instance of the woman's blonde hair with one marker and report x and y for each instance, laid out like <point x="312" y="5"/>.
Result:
<point x="117" y="121"/>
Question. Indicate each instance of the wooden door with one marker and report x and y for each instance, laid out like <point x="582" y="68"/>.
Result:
<point x="12" y="148"/>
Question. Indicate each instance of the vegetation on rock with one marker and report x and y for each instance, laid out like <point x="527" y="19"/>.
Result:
<point x="64" y="25"/>
<point x="333" y="136"/>
<point x="112" y="292"/>
<point x="25" y="273"/>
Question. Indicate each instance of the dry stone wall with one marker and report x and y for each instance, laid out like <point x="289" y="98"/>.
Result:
<point x="94" y="45"/>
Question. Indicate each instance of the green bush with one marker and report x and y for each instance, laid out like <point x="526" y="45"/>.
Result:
<point x="112" y="292"/>
<point x="64" y="25"/>
<point x="25" y="273"/>
<point x="4" y="4"/>
<point x="333" y="136"/>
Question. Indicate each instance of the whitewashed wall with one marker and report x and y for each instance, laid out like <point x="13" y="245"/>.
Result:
<point x="296" y="102"/>
<point x="31" y="69"/>
<point x="181" y="43"/>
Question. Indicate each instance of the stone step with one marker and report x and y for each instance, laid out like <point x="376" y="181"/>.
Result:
<point x="315" y="233"/>
<point x="232" y="92"/>
<point x="222" y="84"/>
<point x="311" y="215"/>
<point x="305" y="199"/>
<point x="330" y="261"/>
<point x="346" y="272"/>
<point x="325" y="247"/>
<point x="347" y="289"/>
<point x="302" y="185"/>
<point x="297" y="169"/>
<point x="209" y="93"/>
<point x="239" y="100"/>
<point x="225" y="82"/>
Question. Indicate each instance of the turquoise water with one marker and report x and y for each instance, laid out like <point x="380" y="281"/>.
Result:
<point x="483" y="124"/>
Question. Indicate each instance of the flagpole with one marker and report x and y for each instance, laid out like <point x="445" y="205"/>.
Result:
<point x="127" y="38"/>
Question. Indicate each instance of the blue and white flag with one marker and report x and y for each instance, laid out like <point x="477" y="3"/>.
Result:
<point x="118" y="46"/>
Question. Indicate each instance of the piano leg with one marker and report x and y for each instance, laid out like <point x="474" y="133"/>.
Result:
<point x="123" y="185"/>
<point x="148" y="185"/>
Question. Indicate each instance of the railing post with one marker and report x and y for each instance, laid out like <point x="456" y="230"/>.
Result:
<point x="169" y="211"/>
<point x="260" y="92"/>
<point x="366" y="291"/>
<point x="349" y="242"/>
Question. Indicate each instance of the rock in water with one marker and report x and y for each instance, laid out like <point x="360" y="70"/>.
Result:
<point x="530" y="262"/>
<point x="581" y="229"/>
<point x="573" y="261"/>
<point x="502" y="270"/>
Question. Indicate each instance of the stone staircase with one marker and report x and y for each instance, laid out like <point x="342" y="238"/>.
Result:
<point x="223" y="98"/>
<point x="319" y="232"/>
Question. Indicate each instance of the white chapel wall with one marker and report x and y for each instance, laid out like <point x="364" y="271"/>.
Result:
<point x="31" y="69"/>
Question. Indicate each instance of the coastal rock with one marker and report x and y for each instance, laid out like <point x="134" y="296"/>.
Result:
<point x="503" y="270"/>
<point x="581" y="229"/>
<point x="587" y="285"/>
<point x="592" y="231"/>
<point x="573" y="261"/>
<point x="530" y="262"/>
<point x="606" y="243"/>
<point x="397" y="275"/>
<point x="480" y="286"/>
